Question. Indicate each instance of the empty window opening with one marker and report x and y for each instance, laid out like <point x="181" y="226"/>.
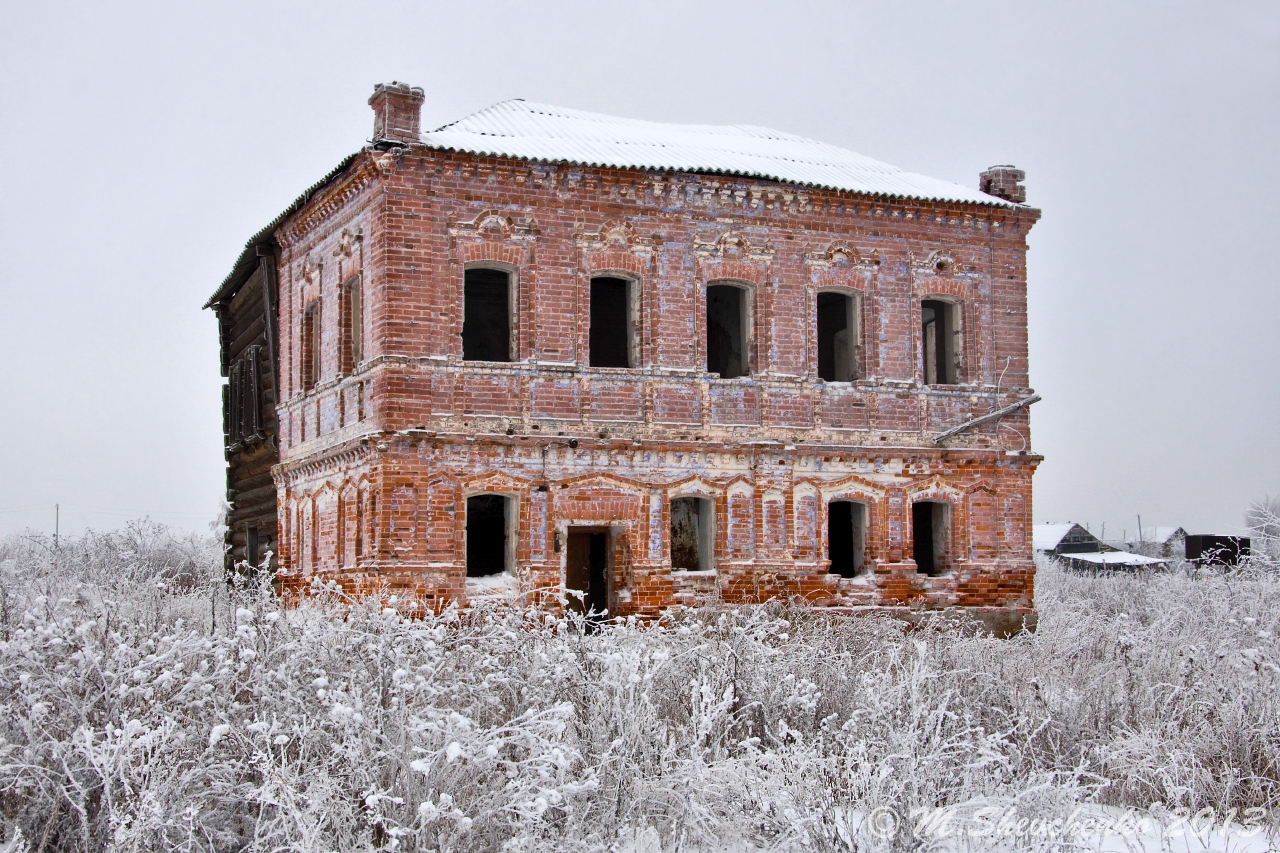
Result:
<point x="311" y="346"/>
<point x="612" y="339"/>
<point x="728" y="339"/>
<point x="486" y="315"/>
<point x="837" y="337"/>
<point x="486" y="535"/>
<point x="352" y="323"/>
<point x="930" y="533"/>
<point x="939" y="338"/>
<point x="691" y="534"/>
<point x="251" y="547"/>
<point x="846" y="537"/>
<point x="587" y="571"/>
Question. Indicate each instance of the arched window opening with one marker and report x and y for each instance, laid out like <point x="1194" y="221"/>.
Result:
<point x="931" y="536"/>
<point x="612" y="341"/>
<point x="939" y="335"/>
<point x="311" y="346"/>
<point x="352" y="326"/>
<point x="692" y="532"/>
<point x="838" y="337"/>
<point x="488" y="534"/>
<point x="728" y="330"/>
<point x="486" y="315"/>
<point x="846" y="537"/>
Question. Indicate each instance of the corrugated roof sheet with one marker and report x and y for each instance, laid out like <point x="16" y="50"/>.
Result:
<point x="524" y="129"/>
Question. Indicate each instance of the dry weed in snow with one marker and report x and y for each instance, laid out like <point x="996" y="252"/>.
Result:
<point x="145" y="705"/>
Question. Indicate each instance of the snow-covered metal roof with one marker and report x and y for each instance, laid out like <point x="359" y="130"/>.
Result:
<point x="1046" y="537"/>
<point x="1115" y="558"/>
<point x="524" y="129"/>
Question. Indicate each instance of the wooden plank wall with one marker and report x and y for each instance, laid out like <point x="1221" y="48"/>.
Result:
<point x="248" y="318"/>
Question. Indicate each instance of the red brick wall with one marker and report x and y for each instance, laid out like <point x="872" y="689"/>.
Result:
<point x="392" y="446"/>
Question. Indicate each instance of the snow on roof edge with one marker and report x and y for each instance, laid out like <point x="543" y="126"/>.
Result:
<point x="1048" y="535"/>
<point x="533" y="131"/>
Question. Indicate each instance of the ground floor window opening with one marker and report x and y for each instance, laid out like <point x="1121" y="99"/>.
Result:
<point x="691" y="534"/>
<point x="931" y="533"/>
<point x="487" y="535"/>
<point x="846" y="537"/>
<point x="587" y="571"/>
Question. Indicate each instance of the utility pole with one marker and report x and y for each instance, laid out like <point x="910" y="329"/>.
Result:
<point x="57" y="518"/>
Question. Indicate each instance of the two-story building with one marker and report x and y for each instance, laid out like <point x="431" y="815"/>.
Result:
<point x="636" y="364"/>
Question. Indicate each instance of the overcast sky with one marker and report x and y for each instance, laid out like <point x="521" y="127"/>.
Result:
<point x="143" y="144"/>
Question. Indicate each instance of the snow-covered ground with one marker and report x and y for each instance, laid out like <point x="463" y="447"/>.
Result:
<point x="144" y="705"/>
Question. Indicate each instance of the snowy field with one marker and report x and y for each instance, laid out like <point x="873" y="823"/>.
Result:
<point x="145" y="706"/>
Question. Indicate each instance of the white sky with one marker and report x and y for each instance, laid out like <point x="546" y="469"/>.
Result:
<point x="143" y="144"/>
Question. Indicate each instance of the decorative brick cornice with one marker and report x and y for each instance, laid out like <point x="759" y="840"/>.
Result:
<point x="848" y="484"/>
<point x="494" y="225"/>
<point x="841" y="254"/>
<point x="353" y="452"/>
<point x="733" y="246"/>
<point x="329" y="201"/>
<point x="618" y="236"/>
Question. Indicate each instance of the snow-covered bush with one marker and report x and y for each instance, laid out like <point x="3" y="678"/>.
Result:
<point x="1263" y="521"/>
<point x="147" y="705"/>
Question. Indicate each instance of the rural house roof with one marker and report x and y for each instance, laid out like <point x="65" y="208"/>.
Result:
<point x="1156" y="535"/>
<point x="1046" y="537"/>
<point x="519" y="128"/>
<point x="1107" y="559"/>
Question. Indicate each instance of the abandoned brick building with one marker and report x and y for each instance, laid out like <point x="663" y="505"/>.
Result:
<point x="642" y="364"/>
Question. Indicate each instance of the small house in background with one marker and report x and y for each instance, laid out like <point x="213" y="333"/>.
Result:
<point x="1117" y="560"/>
<point x="1210" y="550"/>
<point x="1165" y="542"/>
<point x="1070" y="538"/>
<point x="1080" y="550"/>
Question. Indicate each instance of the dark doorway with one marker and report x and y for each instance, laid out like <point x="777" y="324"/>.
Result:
<point x="837" y="337"/>
<point x="727" y="338"/>
<point x="691" y="534"/>
<point x="938" y="338"/>
<point x="846" y="537"/>
<point x="486" y="535"/>
<point x="930" y="522"/>
<point x="486" y="315"/>
<point x="587" y="571"/>
<point x="611" y="326"/>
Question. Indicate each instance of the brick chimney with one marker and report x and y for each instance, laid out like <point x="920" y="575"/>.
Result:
<point x="397" y="112"/>
<point x="1004" y="182"/>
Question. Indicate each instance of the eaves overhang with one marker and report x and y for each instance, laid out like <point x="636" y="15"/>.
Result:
<point x="247" y="262"/>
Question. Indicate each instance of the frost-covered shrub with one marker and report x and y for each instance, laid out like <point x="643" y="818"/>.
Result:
<point x="147" y="705"/>
<point x="1263" y="521"/>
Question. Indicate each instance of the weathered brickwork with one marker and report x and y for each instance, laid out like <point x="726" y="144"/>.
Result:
<point x="377" y="460"/>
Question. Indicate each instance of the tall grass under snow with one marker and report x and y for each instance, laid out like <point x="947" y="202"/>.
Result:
<point x="145" y="705"/>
